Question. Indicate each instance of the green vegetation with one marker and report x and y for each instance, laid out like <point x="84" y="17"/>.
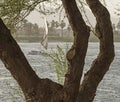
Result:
<point x="58" y="57"/>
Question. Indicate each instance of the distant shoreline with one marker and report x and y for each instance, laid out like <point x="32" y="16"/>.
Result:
<point x="58" y="39"/>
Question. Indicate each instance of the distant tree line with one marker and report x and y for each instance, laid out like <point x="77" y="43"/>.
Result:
<point x="55" y="28"/>
<point x="27" y="28"/>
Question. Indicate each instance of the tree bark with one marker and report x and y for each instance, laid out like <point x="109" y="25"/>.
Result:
<point x="76" y="55"/>
<point x="106" y="55"/>
<point x="36" y="89"/>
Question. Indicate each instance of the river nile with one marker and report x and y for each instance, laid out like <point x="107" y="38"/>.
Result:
<point x="108" y="90"/>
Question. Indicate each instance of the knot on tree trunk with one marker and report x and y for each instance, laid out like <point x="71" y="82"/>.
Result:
<point x="71" y="53"/>
<point x="98" y="32"/>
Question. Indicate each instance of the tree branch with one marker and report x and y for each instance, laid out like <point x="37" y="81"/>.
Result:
<point x="34" y="88"/>
<point x="14" y="60"/>
<point x="106" y="55"/>
<point x="76" y="55"/>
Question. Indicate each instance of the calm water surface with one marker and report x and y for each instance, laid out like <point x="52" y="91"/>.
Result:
<point x="109" y="88"/>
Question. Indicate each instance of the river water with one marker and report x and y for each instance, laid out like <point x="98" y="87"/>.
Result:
<point x="108" y="90"/>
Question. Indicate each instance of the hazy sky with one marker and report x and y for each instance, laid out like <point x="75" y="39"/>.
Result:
<point x="35" y="17"/>
<point x="112" y="4"/>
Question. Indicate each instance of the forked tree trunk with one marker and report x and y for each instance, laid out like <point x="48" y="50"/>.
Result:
<point x="36" y="89"/>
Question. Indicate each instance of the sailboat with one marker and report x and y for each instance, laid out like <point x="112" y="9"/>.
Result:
<point x="44" y="41"/>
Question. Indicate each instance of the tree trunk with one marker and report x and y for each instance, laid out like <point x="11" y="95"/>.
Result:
<point x="36" y="89"/>
<point x="102" y="63"/>
<point x="76" y="55"/>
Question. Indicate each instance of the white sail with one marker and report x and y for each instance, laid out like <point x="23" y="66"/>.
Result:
<point x="44" y="41"/>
